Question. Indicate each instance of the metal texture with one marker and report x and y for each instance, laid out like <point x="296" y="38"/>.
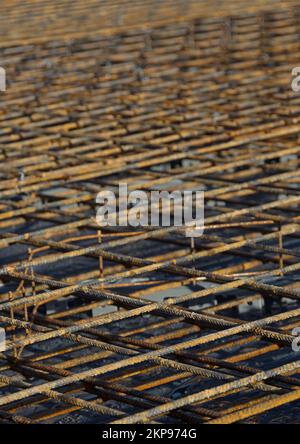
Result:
<point x="133" y="325"/>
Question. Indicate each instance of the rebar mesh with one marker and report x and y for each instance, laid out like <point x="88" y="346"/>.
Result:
<point x="128" y="325"/>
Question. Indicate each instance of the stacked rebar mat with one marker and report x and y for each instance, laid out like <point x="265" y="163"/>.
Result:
<point x="140" y="324"/>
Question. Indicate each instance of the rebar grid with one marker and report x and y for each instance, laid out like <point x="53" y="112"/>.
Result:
<point x="128" y="325"/>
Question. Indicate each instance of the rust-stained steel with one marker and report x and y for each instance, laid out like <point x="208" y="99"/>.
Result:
<point x="129" y="325"/>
